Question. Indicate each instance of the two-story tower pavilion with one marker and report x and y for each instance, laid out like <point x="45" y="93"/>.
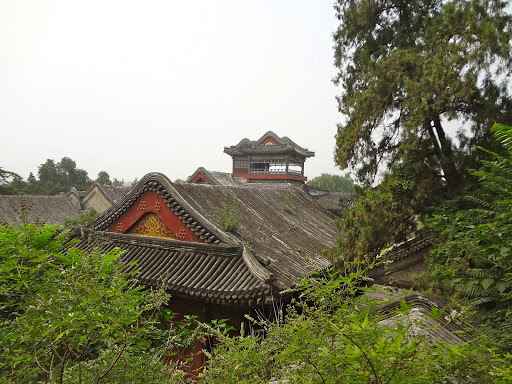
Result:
<point x="269" y="159"/>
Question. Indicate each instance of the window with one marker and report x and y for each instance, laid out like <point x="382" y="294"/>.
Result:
<point x="241" y="163"/>
<point x="294" y="168"/>
<point x="268" y="166"/>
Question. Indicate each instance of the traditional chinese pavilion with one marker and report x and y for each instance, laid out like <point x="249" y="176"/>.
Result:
<point x="176" y="234"/>
<point x="269" y="159"/>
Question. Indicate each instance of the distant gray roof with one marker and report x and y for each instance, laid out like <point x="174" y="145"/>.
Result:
<point x="335" y="201"/>
<point x="55" y="210"/>
<point x="449" y="330"/>
<point x="116" y="193"/>
<point x="79" y="194"/>
<point x="217" y="178"/>
<point x="277" y="185"/>
<point x="403" y="262"/>
<point x="407" y="248"/>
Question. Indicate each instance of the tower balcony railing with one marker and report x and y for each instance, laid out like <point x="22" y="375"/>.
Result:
<point x="275" y="167"/>
<point x="276" y="172"/>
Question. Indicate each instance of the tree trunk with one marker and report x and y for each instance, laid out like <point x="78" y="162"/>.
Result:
<point x="446" y="159"/>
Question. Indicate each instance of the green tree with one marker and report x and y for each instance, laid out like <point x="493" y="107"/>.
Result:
<point x="5" y="175"/>
<point x="84" y="219"/>
<point x="104" y="178"/>
<point x="333" y="183"/>
<point x="5" y="186"/>
<point x="73" y="316"/>
<point x="407" y="68"/>
<point x="14" y="187"/>
<point x="71" y="175"/>
<point x="60" y="177"/>
<point x="31" y="178"/>
<point x="474" y="260"/>
<point x="117" y="183"/>
<point x="31" y="186"/>
<point x="380" y="217"/>
<point x="48" y="172"/>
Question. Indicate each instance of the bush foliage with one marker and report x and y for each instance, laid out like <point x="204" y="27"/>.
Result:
<point x="474" y="260"/>
<point x="333" y="334"/>
<point x="76" y="317"/>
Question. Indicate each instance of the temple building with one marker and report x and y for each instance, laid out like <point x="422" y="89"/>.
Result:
<point x="178" y="234"/>
<point x="269" y="159"/>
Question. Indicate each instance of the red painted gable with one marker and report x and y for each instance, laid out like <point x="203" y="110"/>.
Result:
<point x="200" y="176"/>
<point x="150" y="201"/>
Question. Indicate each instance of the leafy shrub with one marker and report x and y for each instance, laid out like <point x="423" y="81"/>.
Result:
<point x="228" y="216"/>
<point x="76" y="316"/>
<point x="333" y="334"/>
<point x="84" y="219"/>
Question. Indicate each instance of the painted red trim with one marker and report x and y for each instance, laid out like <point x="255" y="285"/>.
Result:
<point x="265" y="176"/>
<point x="240" y="171"/>
<point x="200" y="175"/>
<point x="151" y="201"/>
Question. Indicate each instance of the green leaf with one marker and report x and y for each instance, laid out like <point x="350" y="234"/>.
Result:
<point x="486" y="283"/>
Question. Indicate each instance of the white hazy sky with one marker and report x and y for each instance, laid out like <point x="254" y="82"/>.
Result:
<point x="132" y="87"/>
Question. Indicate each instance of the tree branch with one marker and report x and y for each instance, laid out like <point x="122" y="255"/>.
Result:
<point x="113" y="362"/>
<point x="361" y="349"/>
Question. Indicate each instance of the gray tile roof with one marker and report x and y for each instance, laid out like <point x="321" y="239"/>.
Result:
<point x="285" y="228"/>
<point x="449" y="330"/>
<point x="218" y="274"/>
<point x="335" y="201"/>
<point x="116" y="193"/>
<point x="402" y="262"/>
<point x="282" y="231"/>
<point x="55" y="210"/>
<point x="217" y="178"/>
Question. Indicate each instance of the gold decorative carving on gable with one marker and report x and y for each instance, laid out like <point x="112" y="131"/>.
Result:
<point x="269" y="141"/>
<point x="151" y="225"/>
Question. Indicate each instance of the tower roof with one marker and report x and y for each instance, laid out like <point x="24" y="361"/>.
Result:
<point x="268" y="144"/>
